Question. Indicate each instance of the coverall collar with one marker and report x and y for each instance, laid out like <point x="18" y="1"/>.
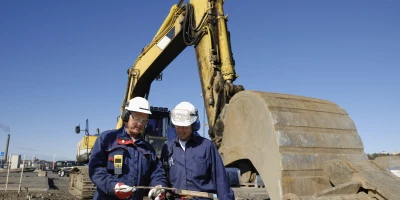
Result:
<point x="192" y="137"/>
<point x="123" y="135"/>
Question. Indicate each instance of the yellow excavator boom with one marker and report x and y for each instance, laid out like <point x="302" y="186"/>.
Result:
<point x="201" y="24"/>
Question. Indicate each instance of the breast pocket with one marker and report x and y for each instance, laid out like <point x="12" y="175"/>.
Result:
<point x="201" y="168"/>
<point x="146" y="161"/>
<point x="111" y="160"/>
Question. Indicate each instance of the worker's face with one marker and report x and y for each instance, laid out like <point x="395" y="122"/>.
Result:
<point x="137" y="121"/>
<point x="183" y="132"/>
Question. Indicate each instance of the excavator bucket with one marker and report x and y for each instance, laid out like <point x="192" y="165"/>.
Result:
<point x="303" y="148"/>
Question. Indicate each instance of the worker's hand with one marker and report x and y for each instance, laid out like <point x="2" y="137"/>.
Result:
<point x="157" y="192"/>
<point x="123" y="191"/>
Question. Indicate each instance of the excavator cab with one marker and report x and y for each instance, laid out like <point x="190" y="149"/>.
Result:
<point x="156" y="129"/>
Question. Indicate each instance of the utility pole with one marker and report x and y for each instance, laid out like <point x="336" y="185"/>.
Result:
<point x="53" y="160"/>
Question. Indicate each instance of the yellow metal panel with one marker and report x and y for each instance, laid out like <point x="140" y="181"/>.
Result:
<point x="87" y="142"/>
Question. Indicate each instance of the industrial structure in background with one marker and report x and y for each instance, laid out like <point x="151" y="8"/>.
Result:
<point x="303" y="148"/>
<point x="4" y="155"/>
<point x="7" y="145"/>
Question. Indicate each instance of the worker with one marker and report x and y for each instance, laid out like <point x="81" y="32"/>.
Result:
<point x="191" y="161"/>
<point x="121" y="159"/>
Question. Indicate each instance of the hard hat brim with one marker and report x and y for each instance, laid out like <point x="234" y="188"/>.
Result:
<point x="183" y="123"/>
<point x="139" y="110"/>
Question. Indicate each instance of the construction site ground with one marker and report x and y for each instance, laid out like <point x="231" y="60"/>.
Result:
<point x="50" y="186"/>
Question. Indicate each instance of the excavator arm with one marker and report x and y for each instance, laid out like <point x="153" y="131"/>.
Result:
<point x="201" y="24"/>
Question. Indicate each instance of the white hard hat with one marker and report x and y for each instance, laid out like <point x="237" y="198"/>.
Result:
<point x="138" y="104"/>
<point x="184" y="114"/>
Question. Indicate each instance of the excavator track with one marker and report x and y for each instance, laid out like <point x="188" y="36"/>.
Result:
<point x="299" y="146"/>
<point x="80" y="184"/>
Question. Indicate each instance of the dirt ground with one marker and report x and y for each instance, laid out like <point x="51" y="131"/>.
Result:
<point x="250" y="193"/>
<point x="58" y="190"/>
<point x="14" y="195"/>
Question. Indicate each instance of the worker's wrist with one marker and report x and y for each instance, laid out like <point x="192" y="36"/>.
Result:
<point x="158" y="184"/>
<point x="111" y="187"/>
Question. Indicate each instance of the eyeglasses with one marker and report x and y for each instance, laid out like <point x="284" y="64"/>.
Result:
<point x="139" y="120"/>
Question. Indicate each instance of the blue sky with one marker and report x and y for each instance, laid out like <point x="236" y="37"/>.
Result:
<point x="62" y="62"/>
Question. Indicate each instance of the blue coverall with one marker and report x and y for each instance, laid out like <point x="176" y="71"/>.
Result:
<point x="141" y="167"/>
<point x="198" y="168"/>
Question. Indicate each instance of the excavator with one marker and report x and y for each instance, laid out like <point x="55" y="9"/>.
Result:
<point x="303" y="148"/>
